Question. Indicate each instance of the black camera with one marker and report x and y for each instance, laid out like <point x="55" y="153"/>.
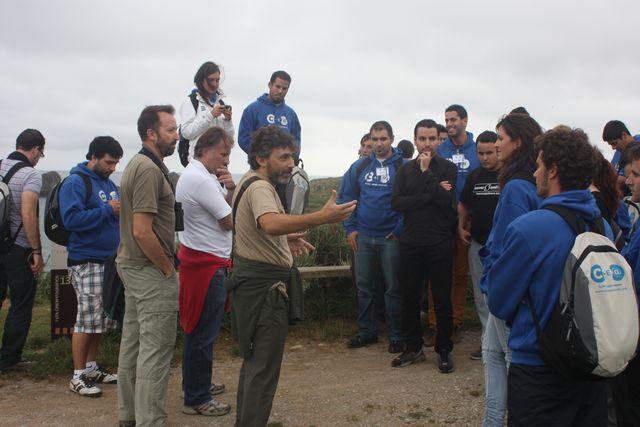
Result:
<point x="177" y="207"/>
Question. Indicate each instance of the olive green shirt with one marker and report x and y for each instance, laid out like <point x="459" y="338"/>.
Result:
<point x="144" y="189"/>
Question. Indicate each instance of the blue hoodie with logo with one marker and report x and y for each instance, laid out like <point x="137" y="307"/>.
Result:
<point x="94" y="226"/>
<point x="464" y="157"/>
<point x="536" y="247"/>
<point x="264" y="112"/>
<point x="373" y="216"/>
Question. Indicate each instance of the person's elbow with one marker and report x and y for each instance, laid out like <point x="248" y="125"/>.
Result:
<point x="269" y="224"/>
<point x="226" y="222"/>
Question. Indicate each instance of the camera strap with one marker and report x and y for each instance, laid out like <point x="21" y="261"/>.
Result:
<point x="158" y="163"/>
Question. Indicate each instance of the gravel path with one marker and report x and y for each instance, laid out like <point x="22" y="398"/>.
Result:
<point x="322" y="384"/>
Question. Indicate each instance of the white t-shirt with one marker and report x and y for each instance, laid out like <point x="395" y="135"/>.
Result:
<point x="203" y="202"/>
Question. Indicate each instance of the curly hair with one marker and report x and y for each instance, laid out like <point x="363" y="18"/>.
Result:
<point x="572" y="154"/>
<point x="606" y="181"/>
<point x="524" y="128"/>
<point x="264" y="140"/>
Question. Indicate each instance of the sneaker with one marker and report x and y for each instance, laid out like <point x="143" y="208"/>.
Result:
<point x="430" y="338"/>
<point x="396" y="347"/>
<point x="214" y="390"/>
<point x="100" y="375"/>
<point x="456" y="337"/>
<point x="445" y="362"/>
<point x="84" y="387"/>
<point x="358" y="341"/>
<point x="407" y="358"/>
<point x="476" y="355"/>
<point x="212" y="408"/>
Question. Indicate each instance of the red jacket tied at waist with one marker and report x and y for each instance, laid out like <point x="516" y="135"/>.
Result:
<point x="196" y="271"/>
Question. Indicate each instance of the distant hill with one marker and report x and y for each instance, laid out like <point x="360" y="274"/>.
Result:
<point x="320" y="190"/>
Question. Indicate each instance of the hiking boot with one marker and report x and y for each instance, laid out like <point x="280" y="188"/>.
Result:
<point x="212" y="408"/>
<point x="456" y="337"/>
<point x="430" y="338"/>
<point x="445" y="362"/>
<point x="100" y="375"/>
<point x="396" y="347"/>
<point x="214" y="390"/>
<point x="358" y="341"/>
<point x="84" y="387"/>
<point x="407" y="358"/>
<point x="476" y="355"/>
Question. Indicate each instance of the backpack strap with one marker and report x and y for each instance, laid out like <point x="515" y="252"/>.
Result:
<point x="88" y="187"/>
<point x="236" y="202"/>
<point x="577" y="224"/>
<point x="194" y="100"/>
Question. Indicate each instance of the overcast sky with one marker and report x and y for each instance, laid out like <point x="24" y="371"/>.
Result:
<point x="78" y="69"/>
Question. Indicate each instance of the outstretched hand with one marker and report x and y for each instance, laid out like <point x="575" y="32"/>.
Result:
<point x="333" y="212"/>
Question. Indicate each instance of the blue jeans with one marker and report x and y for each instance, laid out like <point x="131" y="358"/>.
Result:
<point x="17" y="277"/>
<point x="475" y="271"/>
<point x="197" y="356"/>
<point x="496" y="358"/>
<point x="374" y="253"/>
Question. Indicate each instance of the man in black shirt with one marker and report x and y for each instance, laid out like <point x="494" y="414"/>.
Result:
<point x="424" y="193"/>
<point x="477" y="204"/>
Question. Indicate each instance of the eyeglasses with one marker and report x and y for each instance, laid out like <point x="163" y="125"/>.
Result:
<point x="41" y="152"/>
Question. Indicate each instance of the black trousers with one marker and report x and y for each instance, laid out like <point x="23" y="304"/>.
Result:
<point x="538" y="396"/>
<point x="419" y="265"/>
<point x="625" y="389"/>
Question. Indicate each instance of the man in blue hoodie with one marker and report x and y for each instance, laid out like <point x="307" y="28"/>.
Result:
<point x="460" y="149"/>
<point x="270" y="109"/>
<point x="93" y="223"/>
<point x="372" y="232"/>
<point x="536" y="247"/>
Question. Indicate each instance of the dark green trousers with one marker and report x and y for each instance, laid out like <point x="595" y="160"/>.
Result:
<point x="260" y="372"/>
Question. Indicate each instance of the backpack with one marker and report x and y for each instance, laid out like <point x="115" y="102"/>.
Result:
<point x="592" y="333"/>
<point x="297" y="191"/>
<point x="6" y="239"/>
<point x="53" y="226"/>
<point x="183" y="144"/>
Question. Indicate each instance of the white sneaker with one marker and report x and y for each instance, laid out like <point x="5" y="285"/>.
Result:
<point x="100" y="375"/>
<point x="84" y="387"/>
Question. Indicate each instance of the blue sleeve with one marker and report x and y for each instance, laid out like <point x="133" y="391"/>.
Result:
<point x="623" y="220"/>
<point x="77" y="214"/>
<point x="245" y="129"/>
<point x="510" y="276"/>
<point x="296" y="131"/>
<point x="347" y="193"/>
<point x="631" y="253"/>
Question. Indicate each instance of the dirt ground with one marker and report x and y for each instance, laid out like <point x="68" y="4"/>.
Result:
<point x="322" y="384"/>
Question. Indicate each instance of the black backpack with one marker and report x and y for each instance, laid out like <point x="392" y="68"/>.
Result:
<point x="183" y="145"/>
<point x="53" y="226"/>
<point x="6" y="239"/>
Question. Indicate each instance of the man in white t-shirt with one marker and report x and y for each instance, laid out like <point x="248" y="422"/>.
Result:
<point x="205" y="190"/>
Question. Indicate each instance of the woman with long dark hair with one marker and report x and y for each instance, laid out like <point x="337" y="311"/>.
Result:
<point x="516" y="150"/>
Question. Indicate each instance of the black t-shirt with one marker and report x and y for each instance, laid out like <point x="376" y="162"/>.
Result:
<point x="480" y="196"/>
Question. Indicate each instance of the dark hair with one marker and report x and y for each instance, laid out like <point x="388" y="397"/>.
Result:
<point x="462" y="112"/>
<point x="487" y="136"/>
<point x="212" y="137"/>
<point x="569" y="150"/>
<point x="605" y="179"/>
<point x="520" y="110"/>
<point x="29" y="138"/>
<point x="523" y="159"/>
<point x="613" y="130"/>
<point x="280" y="75"/>
<point x="102" y="145"/>
<point x="628" y="154"/>
<point x="441" y="128"/>
<point x="406" y="148"/>
<point x="203" y="72"/>
<point x="424" y="123"/>
<point x="150" y="119"/>
<point x="382" y="125"/>
<point x="264" y="140"/>
<point x="365" y="137"/>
